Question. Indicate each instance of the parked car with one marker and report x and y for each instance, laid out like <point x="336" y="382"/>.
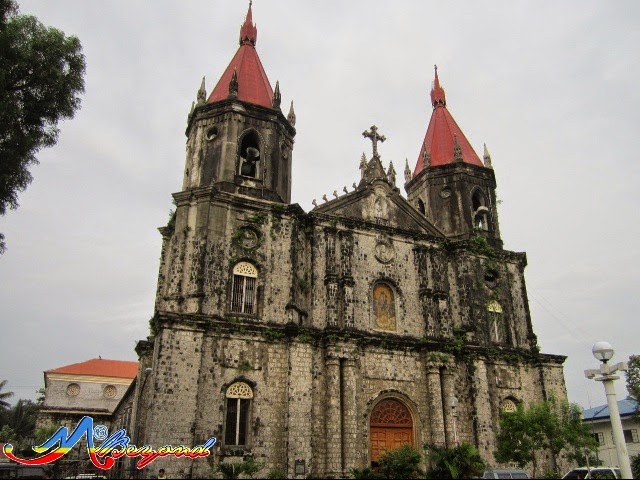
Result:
<point x="593" y="472"/>
<point x="497" y="473"/>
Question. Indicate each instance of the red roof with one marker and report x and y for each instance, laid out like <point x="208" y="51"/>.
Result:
<point x="442" y="133"/>
<point x="253" y="84"/>
<point x="101" y="368"/>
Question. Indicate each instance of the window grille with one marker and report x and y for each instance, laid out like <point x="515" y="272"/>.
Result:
<point x="239" y="397"/>
<point x="243" y="290"/>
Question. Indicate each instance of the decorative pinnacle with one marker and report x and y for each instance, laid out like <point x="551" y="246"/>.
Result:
<point x="457" y="151"/>
<point x="277" y="98"/>
<point x="391" y="174"/>
<point x="374" y="137"/>
<point x="437" y="92"/>
<point x="248" y="31"/>
<point x="426" y="156"/>
<point x="486" y="157"/>
<point x="291" y="116"/>
<point x="202" y="94"/>
<point x="233" y="85"/>
<point x="363" y="164"/>
<point x="407" y="171"/>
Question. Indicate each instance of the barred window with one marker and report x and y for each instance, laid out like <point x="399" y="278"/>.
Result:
<point x="243" y="289"/>
<point x="496" y="322"/>
<point x="599" y="436"/>
<point x="630" y="436"/>
<point x="239" y="397"/>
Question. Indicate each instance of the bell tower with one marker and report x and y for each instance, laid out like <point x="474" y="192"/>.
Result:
<point x="450" y="185"/>
<point x="239" y="141"/>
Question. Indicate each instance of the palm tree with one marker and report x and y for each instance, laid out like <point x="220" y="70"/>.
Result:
<point x="4" y="395"/>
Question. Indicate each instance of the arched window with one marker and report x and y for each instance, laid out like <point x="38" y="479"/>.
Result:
<point x="384" y="307"/>
<point x="421" y="206"/>
<point x="496" y="322"/>
<point x="236" y="428"/>
<point x="508" y="405"/>
<point x="250" y="155"/>
<point x="243" y="289"/>
<point x="480" y="212"/>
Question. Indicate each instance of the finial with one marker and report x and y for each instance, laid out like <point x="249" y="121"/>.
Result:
<point x="457" y="151"/>
<point x="437" y="92"/>
<point x="291" y="116"/>
<point x="193" y="107"/>
<point x="248" y="31"/>
<point x="426" y="156"/>
<point x="335" y="193"/>
<point x="315" y="204"/>
<point x="233" y="85"/>
<point x="277" y="98"/>
<point x="407" y="171"/>
<point x="391" y="174"/>
<point x="344" y="189"/>
<point x="354" y="185"/>
<point x="363" y="164"/>
<point x="375" y="138"/>
<point x="324" y="197"/>
<point x="202" y="94"/>
<point x="486" y="157"/>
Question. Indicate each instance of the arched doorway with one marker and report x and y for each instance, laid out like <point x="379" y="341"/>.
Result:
<point x="391" y="426"/>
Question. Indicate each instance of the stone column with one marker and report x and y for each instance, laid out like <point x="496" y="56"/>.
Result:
<point x="352" y="453"/>
<point x="482" y="405"/>
<point x="334" y="418"/>
<point x="434" y="392"/>
<point x="448" y="389"/>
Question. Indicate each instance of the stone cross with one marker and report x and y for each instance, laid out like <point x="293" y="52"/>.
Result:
<point x="373" y="135"/>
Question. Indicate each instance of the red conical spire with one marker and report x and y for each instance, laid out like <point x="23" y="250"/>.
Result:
<point x="252" y="83"/>
<point x="248" y="31"/>
<point x="437" y="92"/>
<point x="444" y="141"/>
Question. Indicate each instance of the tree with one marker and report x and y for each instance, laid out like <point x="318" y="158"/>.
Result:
<point x="4" y="396"/>
<point x="633" y="377"/>
<point x="41" y="77"/>
<point x="463" y="461"/>
<point x="548" y="425"/>
<point x="635" y="466"/>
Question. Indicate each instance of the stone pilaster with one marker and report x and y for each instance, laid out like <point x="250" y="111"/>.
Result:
<point x="435" y="404"/>
<point x="334" y="418"/>
<point x="448" y="390"/>
<point x="482" y="406"/>
<point x="350" y="416"/>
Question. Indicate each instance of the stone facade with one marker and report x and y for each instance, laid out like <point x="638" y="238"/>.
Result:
<point x="280" y="332"/>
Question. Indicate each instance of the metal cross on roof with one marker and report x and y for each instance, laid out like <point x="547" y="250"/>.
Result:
<point x="373" y="135"/>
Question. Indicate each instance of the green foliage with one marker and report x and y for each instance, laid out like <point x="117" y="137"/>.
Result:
<point x="245" y="366"/>
<point x="42" y="434"/>
<point x="365" y="473"/>
<point x="8" y="435"/>
<point x="633" y="377"/>
<point x="229" y="470"/>
<point x="41" y="78"/>
<point x="4" y="396"/>
<point x="258" y="218"/>
<point x="556" y="426"/>
<point x="402" y="462"/>
<point x="463" y="461"/>
<point x="276" y="474"/>
<point x="635" y="466"/>
<point x="272" y="335"/>
<point x="303" y="283"/>
<point x="250" y="467"/>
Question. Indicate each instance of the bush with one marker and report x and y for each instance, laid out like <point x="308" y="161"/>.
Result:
<point x="463" y="461"/>
<point x="635" y="466"/>
<point x="400" y="463"/>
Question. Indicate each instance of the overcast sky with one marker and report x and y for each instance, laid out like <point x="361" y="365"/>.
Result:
<point x="551" y="87"/>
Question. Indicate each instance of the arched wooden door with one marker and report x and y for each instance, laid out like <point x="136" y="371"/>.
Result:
<point x="391" y="426"/>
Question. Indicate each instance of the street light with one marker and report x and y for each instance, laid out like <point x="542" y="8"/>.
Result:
<point x="603" y="351"/>
<point x="452" y="401"/>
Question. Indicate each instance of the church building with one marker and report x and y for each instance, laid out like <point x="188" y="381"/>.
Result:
<point x="315" y="341"/>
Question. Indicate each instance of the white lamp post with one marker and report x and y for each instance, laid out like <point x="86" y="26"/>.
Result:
<point x="603" y="351"/>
